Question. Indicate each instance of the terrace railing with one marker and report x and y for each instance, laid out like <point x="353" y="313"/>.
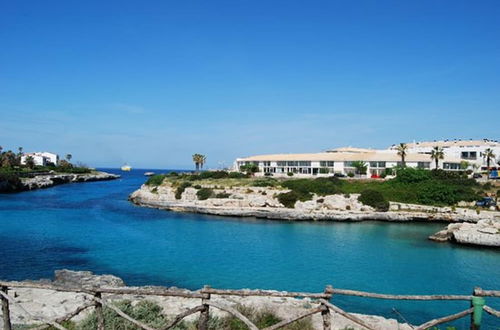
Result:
<point x="324" y="305"/>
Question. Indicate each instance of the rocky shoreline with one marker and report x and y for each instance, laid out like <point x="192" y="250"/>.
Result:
<point x="50" y="304"/>
<point x="50" y="180"/>
<point x="259" y="202"/>
<point x="484" y="233"/>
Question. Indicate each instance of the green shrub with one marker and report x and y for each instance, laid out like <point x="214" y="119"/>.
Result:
<point x="374" y="199"/>
<point x="155" y="180"/>
<point x="289" y="199"/>
<point x="290" y="174"/>
<point x="144" y="311"/>
<point x="222" y="195"/>
<point x="204" y="193"/>
<point x="350" y="174"/>
<point x="180" y="190"/>
<point x="197" y="186"/>
<point x="412" y="175"/>
<point x="265" y="183"/>
<point x="10" y="182"/>
<point x="320" y="186"/>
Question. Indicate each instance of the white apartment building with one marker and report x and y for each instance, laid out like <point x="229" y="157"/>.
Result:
<point x="471" y="151"/>
<point x="341" y="161"/>
<point x="458" y="155"/>
<point x="41" y="158"/>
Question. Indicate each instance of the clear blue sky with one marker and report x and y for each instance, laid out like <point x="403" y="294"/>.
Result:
<point x="152" y="82"/>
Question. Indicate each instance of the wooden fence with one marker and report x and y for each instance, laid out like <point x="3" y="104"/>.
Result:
<point x="323" y="300"/>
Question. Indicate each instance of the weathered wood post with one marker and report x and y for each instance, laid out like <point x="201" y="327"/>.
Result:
<point x="204" y="314"/>
<point x="325" y="311"/>
<point x="477" y="303"/>
<point x="5" y="310"/>
<point x="98" y="311"/>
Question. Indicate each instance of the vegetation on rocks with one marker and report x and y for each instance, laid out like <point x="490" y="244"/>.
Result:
<point x="152" y="315"/>
<point x="374" y="199"/>
<point x="204" y="193"/>
<point x="180" y="189"/>
<point x="155" y="180"/>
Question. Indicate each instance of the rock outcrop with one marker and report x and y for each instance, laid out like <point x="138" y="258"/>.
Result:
<point x="261" y="202"/>
<point x="484" y="233"/>
<point x="50" y="180"/>
<point x="50" y="304"/>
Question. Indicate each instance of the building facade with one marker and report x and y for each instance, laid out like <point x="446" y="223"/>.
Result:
<point x="41" y="158"/>
<point x="458" y="155"/>
<point x="470" y="151"/>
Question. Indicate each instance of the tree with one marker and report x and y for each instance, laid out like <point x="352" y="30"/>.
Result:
<point x="464" y="164"/>
<point x="1" y="148"/>
<point x="9" y="159"/>
<point x="68" y="157"/>
<point x="437" y="153"/>
<point x="30" y="162"/>
<point x="360" y="166"/>
<point x="488" y="155"/>
<point x="402" y="149"/>
<point x="249" y="169"/>
<point x="199" y="160"/>
<point x="20" y="150"/>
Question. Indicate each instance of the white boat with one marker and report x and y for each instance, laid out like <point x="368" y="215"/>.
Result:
<point x="149" y="173"/>
<point x="126" y="168"/>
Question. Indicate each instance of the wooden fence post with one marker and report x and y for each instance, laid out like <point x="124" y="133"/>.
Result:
<point x="204" y="315"/>
<point x="477" y="303"/>
<point x="325" y="311"/>
<point x="5" y="310"/>
<point x="98" y="311"/>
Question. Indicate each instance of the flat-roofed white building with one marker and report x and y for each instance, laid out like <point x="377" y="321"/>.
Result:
<point x="471" y="151"/>
<point x="341" y="161"/>
<point x="41" y="158"/>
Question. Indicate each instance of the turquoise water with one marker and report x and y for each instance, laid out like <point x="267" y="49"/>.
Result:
<point x="92" y="226"/>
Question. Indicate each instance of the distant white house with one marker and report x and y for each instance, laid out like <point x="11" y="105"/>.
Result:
<point x="41" y="158"/>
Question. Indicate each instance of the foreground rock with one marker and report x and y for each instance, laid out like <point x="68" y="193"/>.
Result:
<point x="50" y="180"/>
<point x="50" y="304"/>
<point x="261" y="202"/>
<point x="484" y="233"/>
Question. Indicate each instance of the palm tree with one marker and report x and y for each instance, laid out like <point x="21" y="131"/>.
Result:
<point x="68" y="157"/>
<point x="1" y="148"/>
<point x="199" y="161"/>
<point x="360" y="166"/>
<point x="402" y="149"/>
<point x="437" y="153"/>
<point x="20" y="150"/>
<point x="488" y="155"/>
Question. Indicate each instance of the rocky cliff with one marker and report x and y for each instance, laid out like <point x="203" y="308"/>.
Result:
<point x="261" y="202"/>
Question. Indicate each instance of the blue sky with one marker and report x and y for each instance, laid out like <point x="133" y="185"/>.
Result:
<point x="152" y="82"/>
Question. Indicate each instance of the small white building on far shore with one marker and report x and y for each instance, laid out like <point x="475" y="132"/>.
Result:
<point x="41" y="158"/>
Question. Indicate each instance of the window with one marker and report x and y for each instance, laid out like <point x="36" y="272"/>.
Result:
<point x="424" y="165"/>
<point x="451" y="166"/>
<point x="304" y="163"/>
<point x="325" y="163"/>
<point x="469" y="155"/>
<point x="282" y="163"/>
<point x="292" y="163"/>
<point x="267" y="163"/>
<point x="377" y="164"/>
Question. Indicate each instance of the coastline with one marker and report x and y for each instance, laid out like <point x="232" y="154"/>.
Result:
<point x="51" y="180"/>
<point x="258" y="202"/>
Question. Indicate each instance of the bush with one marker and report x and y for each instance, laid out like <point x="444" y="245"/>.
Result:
<point x="374" y="199"/>
<point x="180" y="190"/>
<point x="289" y="199"/>
<point x="197" y="186"/>
<point x="265" y="183"/>
<point x="204" y="193"/>
<point x="155" y="180"/>
<point x="320" y="186"/>
<point x="222" y="195"/>
<point x="144" y="311"/>
<point x="289" y="174"/>
<point x="268" y="174"/>
<point x="10" y="182"/>
<point x="412" y="175"/>
<point x="350" y="174"/>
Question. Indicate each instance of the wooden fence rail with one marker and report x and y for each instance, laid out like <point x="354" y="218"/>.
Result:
<point x="324" y="300"/>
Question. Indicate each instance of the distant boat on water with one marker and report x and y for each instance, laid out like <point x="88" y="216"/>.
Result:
<point x="149" y="173"/>
<point x="126" y="168"/>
